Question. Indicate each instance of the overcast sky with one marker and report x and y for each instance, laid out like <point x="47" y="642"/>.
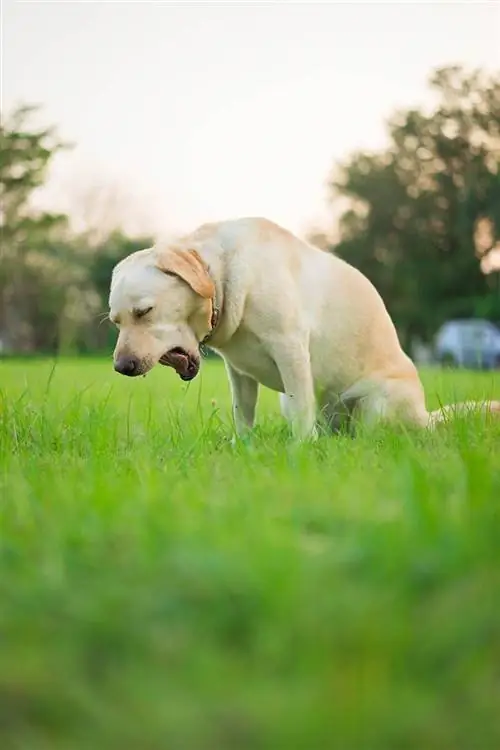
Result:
<point x="208" y="110"/>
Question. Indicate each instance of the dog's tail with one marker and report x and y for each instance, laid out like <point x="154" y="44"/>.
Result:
<point x="463" y="409"/>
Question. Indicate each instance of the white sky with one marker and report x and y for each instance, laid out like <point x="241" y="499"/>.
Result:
<point x="203" y="111"/>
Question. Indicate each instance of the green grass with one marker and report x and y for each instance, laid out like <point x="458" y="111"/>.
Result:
<point x="161" y="590"/>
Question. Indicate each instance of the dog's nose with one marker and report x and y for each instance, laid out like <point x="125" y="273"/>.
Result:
<point x="127" y="366"/>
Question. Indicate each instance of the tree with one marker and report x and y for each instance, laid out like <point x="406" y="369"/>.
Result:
<point x="30" y="239"/>
<point x="54" y="282"/>
<point x="414" y="208"/>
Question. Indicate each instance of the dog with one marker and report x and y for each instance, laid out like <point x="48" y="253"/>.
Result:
<point x="281" y="313"/>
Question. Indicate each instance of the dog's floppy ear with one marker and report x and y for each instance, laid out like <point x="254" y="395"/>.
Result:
<point x="188" y="266"/>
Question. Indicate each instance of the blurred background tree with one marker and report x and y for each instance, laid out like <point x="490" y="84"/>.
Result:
<point x="414" y="208"/>
<point x="30" y="247"/>
<point x="53" y="282"/>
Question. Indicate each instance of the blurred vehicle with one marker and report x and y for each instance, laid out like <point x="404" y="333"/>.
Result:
<point x="473" y="344"/>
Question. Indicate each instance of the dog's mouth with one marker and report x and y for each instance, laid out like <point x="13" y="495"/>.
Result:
<point x="185" y="364"/>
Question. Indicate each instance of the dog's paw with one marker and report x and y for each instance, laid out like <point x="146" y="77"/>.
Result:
<point x="245" y="439"/>
<point x="308" y="437"/>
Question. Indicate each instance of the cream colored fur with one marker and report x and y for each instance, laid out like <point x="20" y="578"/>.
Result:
<point x="293" y="318"/>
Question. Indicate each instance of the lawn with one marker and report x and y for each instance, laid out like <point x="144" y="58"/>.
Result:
<point x="162" y="590"/>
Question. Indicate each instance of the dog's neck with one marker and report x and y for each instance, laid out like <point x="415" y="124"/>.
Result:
<point x="215" y="316"/>
<point x="214" y="257"/>
<point x="216" y="301"/>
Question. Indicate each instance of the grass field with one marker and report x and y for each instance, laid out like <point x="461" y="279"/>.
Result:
<point x="161" y="590"/>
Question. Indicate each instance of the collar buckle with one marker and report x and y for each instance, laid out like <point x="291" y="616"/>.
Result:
<point x="213" y="323"/>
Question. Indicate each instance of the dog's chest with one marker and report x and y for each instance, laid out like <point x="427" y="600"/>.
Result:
<point x="248" y="356"/>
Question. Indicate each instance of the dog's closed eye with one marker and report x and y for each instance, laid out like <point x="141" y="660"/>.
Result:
<point x="142" y="313"/>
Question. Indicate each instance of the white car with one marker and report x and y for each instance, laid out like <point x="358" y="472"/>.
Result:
<point x="470" y="343"/>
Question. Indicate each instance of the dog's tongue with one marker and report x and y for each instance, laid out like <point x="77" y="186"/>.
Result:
<point x="176" y="359"/>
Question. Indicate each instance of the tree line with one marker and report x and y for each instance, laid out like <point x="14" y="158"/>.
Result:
<point x="417" y="218"/>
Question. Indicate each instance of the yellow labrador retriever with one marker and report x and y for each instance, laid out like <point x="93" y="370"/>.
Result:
<point x="280" y="312"/>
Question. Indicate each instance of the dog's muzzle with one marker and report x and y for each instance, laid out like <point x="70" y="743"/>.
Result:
<point x="130" y="366"/>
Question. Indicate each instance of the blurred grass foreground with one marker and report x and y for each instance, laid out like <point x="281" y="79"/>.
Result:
<point x="161" y="590"/>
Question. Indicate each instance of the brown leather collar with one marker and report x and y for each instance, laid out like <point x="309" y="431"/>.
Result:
<point x="214" y="320"/>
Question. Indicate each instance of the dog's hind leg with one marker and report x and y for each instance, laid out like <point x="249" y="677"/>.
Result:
<point x="392" y="400"/>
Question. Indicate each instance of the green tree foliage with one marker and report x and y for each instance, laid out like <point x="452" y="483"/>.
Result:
<point x="34" y="271"/>
<point x="25" y="157"/>
<point x="414" y="207"/>
<point x="53" y="284"/>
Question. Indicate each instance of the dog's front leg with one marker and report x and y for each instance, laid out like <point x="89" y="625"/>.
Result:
<point x="244" y="392"/>
<point x="293" y="361"/>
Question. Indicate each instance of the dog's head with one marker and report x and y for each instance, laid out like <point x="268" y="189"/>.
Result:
<point x="161" y="300"/>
